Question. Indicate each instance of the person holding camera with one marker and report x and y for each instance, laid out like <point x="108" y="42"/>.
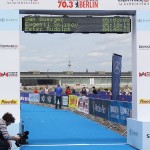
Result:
<point x="5" y="137"/>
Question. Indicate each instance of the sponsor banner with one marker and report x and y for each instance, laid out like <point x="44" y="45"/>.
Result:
<point x="138" y="134"/>
<point x="24" y="97"/>
<point x="99" y="107"/>
<point x="144" y="101"/>
<point x="9" y="68"/>
<point x="34" y="97"/>
<point x="49" y="99"/>
<point x="125" y="5"/>
<point x="42" y="98"/>
<point x="134" y="135"/>
<point x="8" y="74"/>
<point x="114" y="112"/>
<point x="144" y="74"/>
<point x="9" y="20"/>
<point x="116" y="73"/>
<point x="76" y="4"/>
<point x="29" y="4"/>
<point x="125" y="110"/>
<point x="143" y="21"/>
<point x="5" y="47"/>
<point x="8" y="101"/>
<point x="65" y="100"/>
<point x="141" y="75"/>
<point x="119" y="112"/>
<point x="46" y="98"/>
<point x="47" y="4"/>
<point x="83" y="104"/>
<point x="72" y="101"/>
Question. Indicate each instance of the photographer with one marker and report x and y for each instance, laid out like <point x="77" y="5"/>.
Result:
<point x="5" y="143"/>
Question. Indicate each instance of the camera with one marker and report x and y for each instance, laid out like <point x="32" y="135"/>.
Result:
<point x="23" y="138"/>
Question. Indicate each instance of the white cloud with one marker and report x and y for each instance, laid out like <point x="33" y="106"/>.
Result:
<point x="95" y="54"/>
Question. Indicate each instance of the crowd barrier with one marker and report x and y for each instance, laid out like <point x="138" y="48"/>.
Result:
<point x="24" y="97"/>
<point x="111" y="110"/>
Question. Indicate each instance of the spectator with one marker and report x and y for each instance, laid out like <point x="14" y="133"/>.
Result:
<point x="68" y="90"/>
<point x="46" y="91"/>
<point x="83" y="91"/>
<point x="126" y="90"/>
<point x="35" y="90"/>
<point x="94" y="91"/>
<point x="73" y="91"/>
<point x="58" y="92"/>
<point x="87" y="90"/>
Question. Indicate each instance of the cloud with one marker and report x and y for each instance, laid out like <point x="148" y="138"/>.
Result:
<point x="96" y="54"/>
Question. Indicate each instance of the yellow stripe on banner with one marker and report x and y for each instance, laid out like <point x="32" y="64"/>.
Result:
<point x="8" y="102"/>
<point x="73" y="101"/>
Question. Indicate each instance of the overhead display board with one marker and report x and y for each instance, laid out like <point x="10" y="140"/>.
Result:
<point x="55" y="24"/>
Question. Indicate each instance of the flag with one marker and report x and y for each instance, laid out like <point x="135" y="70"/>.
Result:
<point x="116" y="73"/>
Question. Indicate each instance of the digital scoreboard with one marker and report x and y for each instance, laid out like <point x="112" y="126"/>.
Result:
<point x="52" y="24"/>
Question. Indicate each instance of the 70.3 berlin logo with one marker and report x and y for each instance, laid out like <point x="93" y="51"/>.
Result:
<point x="78" y="3"/>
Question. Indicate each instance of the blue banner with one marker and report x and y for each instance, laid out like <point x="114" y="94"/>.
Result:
<point x="125" y="110"/>
<point x="116" y="73"/>
<point x="24" y="97"/>
<point x="119" y="112"/>
<point x="113" y="114"/>
<point x="99" y="108"/>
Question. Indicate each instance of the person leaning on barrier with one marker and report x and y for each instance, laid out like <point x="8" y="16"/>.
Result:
<point x="94" y="91"/>
<point x="83" y="91"/>
<point x="68" y="90"/>
<point x="46" y="90"/>
<point x="5" y="143"/>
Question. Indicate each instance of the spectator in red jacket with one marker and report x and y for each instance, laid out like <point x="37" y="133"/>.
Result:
<point x="68" y="90"/>
<point x="35" y="90"/>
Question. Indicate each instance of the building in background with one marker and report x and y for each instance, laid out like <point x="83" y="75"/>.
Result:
<point x="98" y="79"/>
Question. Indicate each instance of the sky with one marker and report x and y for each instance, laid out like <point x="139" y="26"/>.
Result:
<point x="93" y="52"/>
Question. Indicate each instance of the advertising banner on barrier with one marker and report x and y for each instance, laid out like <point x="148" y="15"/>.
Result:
<point x="113" y="112"/>
<point x="72" y="101"/>
<point x="99" y="108"/>
<point x="125" y="111"/>
<point x="34" y="97"/>
<point x="83" y="104"/>
<point x="24" y="97"/>
<point x="119" y="112"/>
<point x="116" y="73"/>
<point x="46" y="98"/>
<point x="65" y="100"/>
